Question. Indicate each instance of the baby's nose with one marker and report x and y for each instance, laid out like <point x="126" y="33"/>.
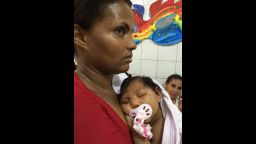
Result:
<point x="134" y="105"/>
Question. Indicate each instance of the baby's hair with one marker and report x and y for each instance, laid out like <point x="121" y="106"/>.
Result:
<point x="147" y="81"/>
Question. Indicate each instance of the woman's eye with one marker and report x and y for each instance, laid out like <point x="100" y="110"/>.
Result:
<point x="120" y="31"/>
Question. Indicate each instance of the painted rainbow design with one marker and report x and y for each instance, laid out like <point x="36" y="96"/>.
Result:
<point x="164" y="26"/>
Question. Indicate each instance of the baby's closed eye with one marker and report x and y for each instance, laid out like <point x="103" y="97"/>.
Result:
<point x="141" y="93"/>
<point x="125" y="100"/>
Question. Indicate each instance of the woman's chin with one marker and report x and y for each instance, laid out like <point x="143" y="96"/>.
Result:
<point x="173" y="96"/>
<point x="126" y="67"/>
<point x="123" y="69"/>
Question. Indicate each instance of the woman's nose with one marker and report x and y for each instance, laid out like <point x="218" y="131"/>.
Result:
<point x="131" y="44"/>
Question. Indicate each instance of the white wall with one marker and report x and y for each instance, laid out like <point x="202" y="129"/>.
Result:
<point x="157" y="62"/>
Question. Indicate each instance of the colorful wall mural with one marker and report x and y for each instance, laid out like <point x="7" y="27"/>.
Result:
<point x="164" y="26"/>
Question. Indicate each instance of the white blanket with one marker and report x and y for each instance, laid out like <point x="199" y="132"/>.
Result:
<point x="172" y="133"/>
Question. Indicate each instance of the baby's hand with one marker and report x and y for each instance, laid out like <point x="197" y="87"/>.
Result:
<point x="137" y="138"/>
<point x="136" y="120"/>
<point x="129" y="121"/>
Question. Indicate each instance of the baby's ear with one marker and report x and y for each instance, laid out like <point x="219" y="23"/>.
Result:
<point x="159" y="93"/>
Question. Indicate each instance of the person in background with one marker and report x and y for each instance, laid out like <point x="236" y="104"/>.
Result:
<point x="173" y="86"/>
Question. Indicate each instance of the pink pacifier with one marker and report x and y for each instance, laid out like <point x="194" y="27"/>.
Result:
<point x="140" y="114"/>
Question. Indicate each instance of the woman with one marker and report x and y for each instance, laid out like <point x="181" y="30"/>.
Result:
<point x="103" y="46"/>
<point x="174" y="88"/>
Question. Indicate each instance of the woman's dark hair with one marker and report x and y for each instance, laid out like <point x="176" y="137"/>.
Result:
<point x="147" y="81"/>
<point x="86" y="12"/>
<point x="174" y="76"/>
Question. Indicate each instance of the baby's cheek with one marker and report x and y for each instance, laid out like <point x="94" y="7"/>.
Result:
<point x="126" y="108"/>
<point x="155" y="111"/>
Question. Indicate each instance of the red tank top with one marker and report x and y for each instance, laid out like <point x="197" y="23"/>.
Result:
<point x="95" y="122"/>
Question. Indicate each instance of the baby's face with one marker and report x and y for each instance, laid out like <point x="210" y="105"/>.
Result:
<point x="137" y="94"/>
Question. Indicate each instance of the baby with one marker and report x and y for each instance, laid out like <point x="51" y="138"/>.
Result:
<point x="140" y="100"/>
<point x="151" y="115"/>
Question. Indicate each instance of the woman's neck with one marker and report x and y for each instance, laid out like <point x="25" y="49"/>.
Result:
<point x="174" y="101"/>
<point x="101" y="85"/>
<point x="95" y="77"/>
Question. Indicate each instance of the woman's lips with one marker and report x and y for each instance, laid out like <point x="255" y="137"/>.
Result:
<point x="128" y="58"/>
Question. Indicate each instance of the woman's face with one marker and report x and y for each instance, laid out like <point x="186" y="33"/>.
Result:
<point x="109" y="41"/>
<point x="137" y="94"/>
<point x="174" y="88"/>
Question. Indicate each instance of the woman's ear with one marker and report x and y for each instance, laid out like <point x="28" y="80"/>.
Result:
<point x="79" y="37"/>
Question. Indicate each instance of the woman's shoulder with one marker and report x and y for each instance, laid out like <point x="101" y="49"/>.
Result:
<point x="84" y="96"/>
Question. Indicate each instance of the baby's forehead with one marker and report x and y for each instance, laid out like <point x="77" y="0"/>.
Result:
<point x="137" y="84"/>
<point x="136" y="89"/>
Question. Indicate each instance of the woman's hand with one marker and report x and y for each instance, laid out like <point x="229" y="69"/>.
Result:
<point x="180" y="103"/>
